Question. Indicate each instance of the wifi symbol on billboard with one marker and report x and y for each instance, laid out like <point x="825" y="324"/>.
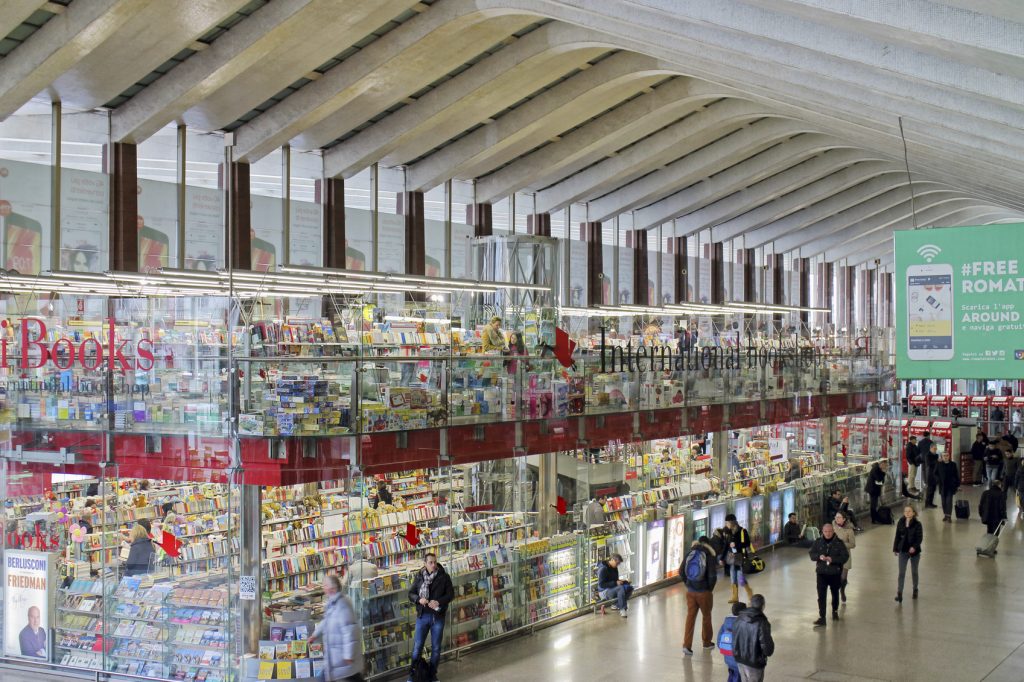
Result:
<point x="929" y="252"/>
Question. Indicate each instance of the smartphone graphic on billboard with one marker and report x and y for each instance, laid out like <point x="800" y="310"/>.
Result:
<point x="930" y="312"/>
<point x="23" y="242"/>
<point x="154" y="248"/>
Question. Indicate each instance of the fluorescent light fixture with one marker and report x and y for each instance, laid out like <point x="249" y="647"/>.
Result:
<point x="424" y="320"/>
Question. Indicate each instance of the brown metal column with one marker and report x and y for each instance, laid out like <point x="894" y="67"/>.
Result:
<point x="677" y="247"/>
<point x="591" y="234"/>
<point x="333" y="197"/>
<point x="124" y="207"/>
<point x="539" y="224"/>
<point x="239" y="256"/>
<point x="805" y="289"/>
<point x="410" y="205"/>
<point x="778" y="279"/>
<point x="747" y="260"/>
<point x="638" y="240"/>
<point x="480" y="217"/>
<point x="716" y="256"/>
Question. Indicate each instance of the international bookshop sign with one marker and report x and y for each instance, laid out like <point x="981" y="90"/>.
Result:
<point x="959" y="302"/>
<point x="733" y="355"/>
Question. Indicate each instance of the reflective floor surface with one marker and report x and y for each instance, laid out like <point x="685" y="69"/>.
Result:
<point x="968" y="623"/>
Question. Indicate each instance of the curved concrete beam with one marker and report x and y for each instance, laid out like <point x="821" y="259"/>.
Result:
<point x="566" y="105"/>
<point x="837" y="221"/>
<point x="594" y="140"/>
<point x="745" y="157"/>
<point x="736" y="215"/>
<point x="667" y="145"/>
<point x="386" y="71"/>
<point x="706" y="204"/>
<point x="487" y="87"/>
<point x="13" y="12"/>
<point x="826" y="206"/>
<point x="55" y="47"/>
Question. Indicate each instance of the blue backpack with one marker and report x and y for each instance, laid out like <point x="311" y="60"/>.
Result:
<point x="695" y="566"/>
<point x="725" y="637"/>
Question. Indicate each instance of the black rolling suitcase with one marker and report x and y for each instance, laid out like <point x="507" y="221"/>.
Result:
<point x="962" y="509"/>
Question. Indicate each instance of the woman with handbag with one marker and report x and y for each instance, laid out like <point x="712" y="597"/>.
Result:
<point x="735" y="552"/>
<point x="843" y="529"/>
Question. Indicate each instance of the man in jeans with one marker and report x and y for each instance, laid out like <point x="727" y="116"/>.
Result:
<point x="431" y="592"/>
<point x="752" y="642"/>
<point x="700" y="573"/>
<point x="609" y="586"/>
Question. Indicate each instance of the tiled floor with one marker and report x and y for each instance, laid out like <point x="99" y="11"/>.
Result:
<point x="967" y="625"/>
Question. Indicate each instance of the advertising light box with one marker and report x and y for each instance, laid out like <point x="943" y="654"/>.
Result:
<point x="960" y="302"/>
<point x="28" y="579"/>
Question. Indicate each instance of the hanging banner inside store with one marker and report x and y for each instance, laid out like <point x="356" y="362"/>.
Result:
<point x="27" y="581"/>
<point x="960" y="303"/>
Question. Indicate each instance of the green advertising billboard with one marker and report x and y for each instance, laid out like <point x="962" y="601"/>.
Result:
<point x="960" y="302"/>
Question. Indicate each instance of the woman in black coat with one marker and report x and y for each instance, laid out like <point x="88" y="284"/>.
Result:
<point x="140" y="552"/>
<point x="907" y="547"/>
<point x="992" y="506"/>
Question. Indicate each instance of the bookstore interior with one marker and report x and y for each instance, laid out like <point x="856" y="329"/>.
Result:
<point x="183" y="464"/>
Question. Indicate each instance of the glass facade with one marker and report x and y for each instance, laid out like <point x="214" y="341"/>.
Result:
<point x="180" y="473"/>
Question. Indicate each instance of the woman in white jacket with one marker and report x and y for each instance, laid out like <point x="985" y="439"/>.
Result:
<point x="339" y="630"/>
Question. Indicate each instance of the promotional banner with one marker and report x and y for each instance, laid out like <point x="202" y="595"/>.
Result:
<point x="577" y="273"/>
<point x="654" y="559"/>
<point x="24" y="216"/>
<point x="677" y="544"/>
<point x="774" y="517"/>
<point x="84" y="221"/>
<point x="27" y="578"/>
<point x="204" y="228"/>
<point x="959" y="302"/>
<point x="158" y="225"/>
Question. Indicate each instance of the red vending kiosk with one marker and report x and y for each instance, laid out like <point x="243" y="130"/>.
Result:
<point x="938" y="406"/>
<point x="859" y="430"/>
<point x="959" y="406"/>
<point x="843" y="436"/>
<point x="1003" y="402"/>
<point x="1017" y="408"/>
<point x="918" y="405"/>
<point x="979" y="410"/>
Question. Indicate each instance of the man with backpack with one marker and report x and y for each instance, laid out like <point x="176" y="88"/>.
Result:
<point x="700" y="573"/>
<point x="752" y="643"/>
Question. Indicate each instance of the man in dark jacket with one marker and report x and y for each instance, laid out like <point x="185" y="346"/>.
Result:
<point x="924" y="446"/>
<point x="431" y="592"/>
<point x="873" y="487"/>
<point x="931" y="460"/>
<point x="947" y="473"/>
<point x="913" y="457"/>
<point x="752" y="641"/>
<point x="978" y="448"/>
<point x="829" y="553"/>
<point x="609" y="586"/>
<point x="992" y="506"/>
<point x="1012" y="461"/>
<point x="700" y="573"/>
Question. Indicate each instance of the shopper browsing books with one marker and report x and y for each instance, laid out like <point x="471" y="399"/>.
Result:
<point x="140" y="551"/>
<point x="340" y="633"/>
<point x="609" y="585"/>
<point x="431" y="592"/>
<point x="493" y="337"/>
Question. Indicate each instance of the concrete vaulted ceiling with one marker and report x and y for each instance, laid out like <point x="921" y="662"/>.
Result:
<point x="774" y="121"/>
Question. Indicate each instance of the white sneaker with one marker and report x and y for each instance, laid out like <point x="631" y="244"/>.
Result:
<point x="624" y="613"/>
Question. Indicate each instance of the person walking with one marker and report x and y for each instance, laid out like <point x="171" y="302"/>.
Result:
<point x="993" y="462"/>
<point x="431" y="592"/>
<point x="873" y="487"/>
<point x="341" y="635"/>
<point x="913" y="457"/>
<point x="997" y="419"/>
<point x="931" y="460"/>
<point x="752" y="643"/>
<point x="725" y="641"/>
<point x="907" y="548"/>
<point x="593" y="513"/>
<point x="700" y="573"/>
<point x="978" y="448"/>
<point x="1017" y="423"/>
<point x="736" y="551"/>
<point x="829" y="554"/>
<point x="947" y="474"/>
<point x="609" y="586"/>
<point x="992" y="506"/>
<point x="1012" y="461"/>
<point x="843" y="528"/>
